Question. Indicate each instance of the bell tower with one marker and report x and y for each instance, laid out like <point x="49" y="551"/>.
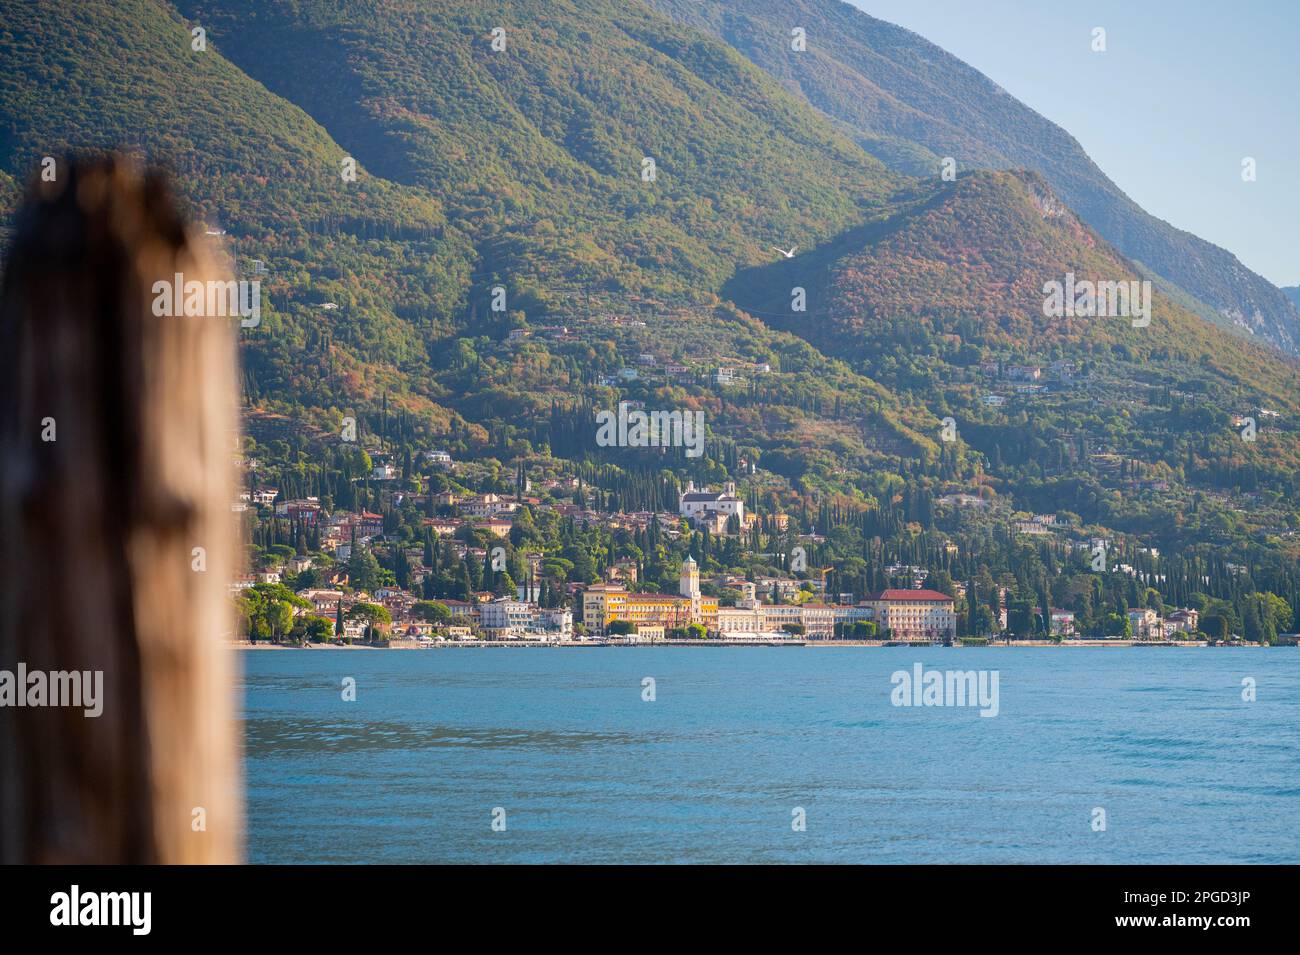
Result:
<point x="689" y="585"/>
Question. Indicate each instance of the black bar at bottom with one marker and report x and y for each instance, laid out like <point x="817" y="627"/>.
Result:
<point x="333" y="903"/>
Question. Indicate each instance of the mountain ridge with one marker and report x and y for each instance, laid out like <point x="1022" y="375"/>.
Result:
<point x="379" y="294"/>
<point x="972" y="257"/>
<point x="885" y="84"/>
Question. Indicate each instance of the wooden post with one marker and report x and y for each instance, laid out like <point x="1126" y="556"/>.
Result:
<point x="117" y="541"/>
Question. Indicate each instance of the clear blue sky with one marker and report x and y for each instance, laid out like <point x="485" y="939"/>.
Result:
<point x="1185" y="90"/>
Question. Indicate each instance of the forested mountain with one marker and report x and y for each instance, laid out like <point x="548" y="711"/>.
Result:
<point x="540" y="163"/>
<point x="124" y="74"/>
<point x="909" y="103"/>
<point x="541" y="148"/>
<point x="944" y="303"/>
<point x="969" y="259"/>
<point x="521" y="177"/>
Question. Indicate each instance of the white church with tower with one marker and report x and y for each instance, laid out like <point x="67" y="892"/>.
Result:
<point x="711" y="509"/>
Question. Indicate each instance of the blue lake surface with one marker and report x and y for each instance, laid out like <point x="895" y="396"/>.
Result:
<point x="738" y="738"/>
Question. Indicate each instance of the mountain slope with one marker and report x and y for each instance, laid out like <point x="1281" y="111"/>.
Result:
<point x="909" y="102"/>
<point x="944" y="303"/>
<point x="472" y="172"/>
<point x="971" y="258"/>
<point x="523" y="169"/>
<point x="124" y="74"/>
<point x="135" y="83"/>
<point x="539" y="148"/>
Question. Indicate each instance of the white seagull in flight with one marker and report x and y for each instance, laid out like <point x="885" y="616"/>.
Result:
<point x="788" y="255"/>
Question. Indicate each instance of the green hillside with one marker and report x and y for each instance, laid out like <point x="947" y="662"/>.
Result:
<point x="970" y="258"/>
<point x="538" y="150"/>
<point x="941" y="301"/>
<point x="522" y="170"/>
<point x="254" y="165"/>
<point x="534" y="159"/>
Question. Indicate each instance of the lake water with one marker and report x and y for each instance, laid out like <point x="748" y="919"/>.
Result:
<point x="738" y="739"/>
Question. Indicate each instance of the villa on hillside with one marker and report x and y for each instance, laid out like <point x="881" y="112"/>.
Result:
<point x="696" y="502"/>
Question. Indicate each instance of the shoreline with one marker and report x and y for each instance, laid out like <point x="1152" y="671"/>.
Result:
<point x="733" y="644"/>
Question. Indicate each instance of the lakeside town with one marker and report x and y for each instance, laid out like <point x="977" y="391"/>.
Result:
<point x="531" y="518"/>
<point x="360" y="577"/>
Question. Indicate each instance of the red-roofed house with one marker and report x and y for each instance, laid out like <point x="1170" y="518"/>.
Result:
<point x="369" y="525"/>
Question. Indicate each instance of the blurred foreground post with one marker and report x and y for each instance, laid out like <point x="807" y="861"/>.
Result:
<point x="117" y="542"/>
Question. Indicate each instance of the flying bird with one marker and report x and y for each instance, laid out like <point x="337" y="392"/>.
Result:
<point x="788" y="255"/>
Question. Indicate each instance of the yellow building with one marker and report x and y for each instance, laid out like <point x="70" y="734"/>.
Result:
<point x="602" y="604"/>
